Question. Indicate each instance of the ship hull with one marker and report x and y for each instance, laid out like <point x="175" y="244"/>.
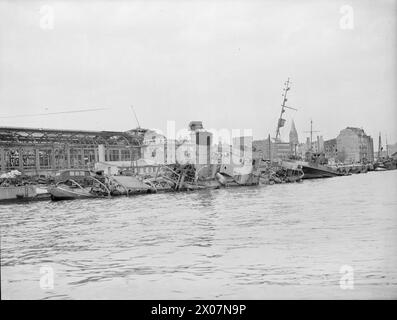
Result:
<point x="317" y="172"/>
<point x="312" y="171"/>
<point x="65" y="193"/>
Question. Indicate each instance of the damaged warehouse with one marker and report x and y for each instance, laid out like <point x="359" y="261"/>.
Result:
<point x="35" y="151"/>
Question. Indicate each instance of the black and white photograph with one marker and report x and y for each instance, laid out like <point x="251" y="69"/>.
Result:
<point x="198" y="150"/>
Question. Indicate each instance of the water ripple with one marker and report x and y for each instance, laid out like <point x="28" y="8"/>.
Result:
<point x="285" y="240"/>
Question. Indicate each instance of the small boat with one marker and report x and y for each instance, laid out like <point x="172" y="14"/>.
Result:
<point x="70" y="189"/>
<point x="380" y="168"/>
<point x="386" y="164"/>
<point x="290" y="172"/>
<point x="65" y="192"/>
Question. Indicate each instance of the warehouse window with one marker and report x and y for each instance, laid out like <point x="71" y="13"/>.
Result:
<point x="29" y="158"/>
<point x="125" y="155"/>
<point x="114" y="155"/>
<point x="45" y="158"/>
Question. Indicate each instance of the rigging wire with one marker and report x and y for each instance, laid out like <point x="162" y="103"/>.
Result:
<point x="51" y="113"/>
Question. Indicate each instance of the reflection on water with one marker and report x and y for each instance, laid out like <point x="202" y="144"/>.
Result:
<point x="281" y="241"/>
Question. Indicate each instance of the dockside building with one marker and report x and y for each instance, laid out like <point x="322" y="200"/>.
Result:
<point x="35" y="151"/>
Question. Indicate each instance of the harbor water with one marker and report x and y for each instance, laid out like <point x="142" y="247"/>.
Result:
<point x="326" y="238"/>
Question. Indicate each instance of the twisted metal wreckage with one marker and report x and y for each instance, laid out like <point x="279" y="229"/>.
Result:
<point x="171" y="178"/>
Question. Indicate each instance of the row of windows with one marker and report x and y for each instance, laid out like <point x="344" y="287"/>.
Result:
<point x="118" y="155"/>
<point x="31" y="158"/>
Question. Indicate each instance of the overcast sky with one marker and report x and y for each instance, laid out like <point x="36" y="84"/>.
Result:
<point x="222" y="62"/>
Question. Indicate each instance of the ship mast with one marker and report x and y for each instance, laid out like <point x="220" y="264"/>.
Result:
<point x="281" y="121"/>
<point x="311" y="135"/>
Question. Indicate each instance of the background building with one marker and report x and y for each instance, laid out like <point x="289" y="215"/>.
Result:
<point x="391" y="148"/>
<point x="267" y="150"/>
<point x="353" y="145"/>
<point x="316" y="146"/>
<point x="330" y="149"/>
<point x="154" y="147"/>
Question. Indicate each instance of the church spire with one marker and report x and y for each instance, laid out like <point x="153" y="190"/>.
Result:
<point x="293" y="135"/>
